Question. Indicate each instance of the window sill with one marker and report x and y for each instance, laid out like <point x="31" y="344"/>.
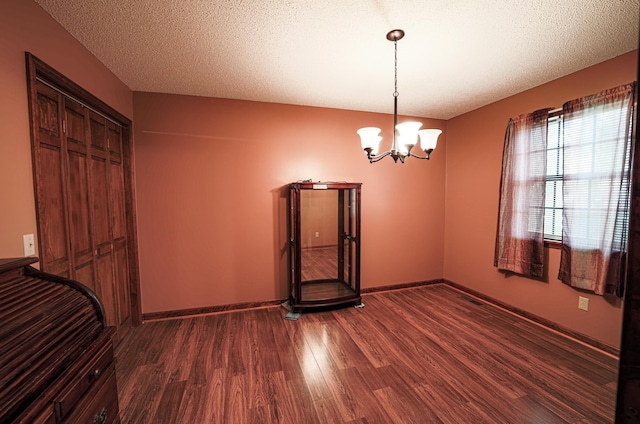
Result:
<point x="553" y="244"/>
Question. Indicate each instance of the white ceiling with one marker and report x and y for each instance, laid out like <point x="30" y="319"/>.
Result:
<point x="457" y="55"/>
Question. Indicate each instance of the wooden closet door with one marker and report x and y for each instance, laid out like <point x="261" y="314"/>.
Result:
<point x="85" y="203"/>
<point x="120" y="235"/>
<point x="76" y="142"/>
<point x="81" y="201"/>
<point x="50" y="176"/>
<point x="101" y="213"/>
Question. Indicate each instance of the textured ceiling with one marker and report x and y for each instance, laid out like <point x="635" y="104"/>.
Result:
<point x="457" y="55"/>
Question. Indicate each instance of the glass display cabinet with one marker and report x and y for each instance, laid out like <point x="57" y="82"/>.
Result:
<point x="324" y="252"/>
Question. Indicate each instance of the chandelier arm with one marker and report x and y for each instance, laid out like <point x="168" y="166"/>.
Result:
<point x="413" y="155"/>
<point x="373" y="158"/>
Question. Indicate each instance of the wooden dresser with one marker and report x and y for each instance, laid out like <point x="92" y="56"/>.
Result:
<point x="56" y="353"/>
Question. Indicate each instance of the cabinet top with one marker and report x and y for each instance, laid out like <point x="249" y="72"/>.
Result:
<point x="324" y="185"/>
<point x="7" y="264"/>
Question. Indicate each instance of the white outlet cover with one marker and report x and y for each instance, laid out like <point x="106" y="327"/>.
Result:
<point x="583" y="303"/>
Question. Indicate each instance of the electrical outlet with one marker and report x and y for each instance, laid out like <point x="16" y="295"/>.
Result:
<point x="583" y="303"/>
<point x="317" y="234"/>
<point x="29" y="245"/>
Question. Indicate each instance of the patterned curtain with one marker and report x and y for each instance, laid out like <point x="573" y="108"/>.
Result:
<point x="520" y="235"/>
<point x="596" y="189"/>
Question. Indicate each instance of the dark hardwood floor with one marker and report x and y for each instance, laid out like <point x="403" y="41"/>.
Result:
<point x="319" y="263"/>
<point x="420" y="355"/>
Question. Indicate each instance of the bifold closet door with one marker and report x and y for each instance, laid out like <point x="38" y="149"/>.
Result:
<point x="108" y="215"/>
<point x="120" y="237"/>
<point x="80" y="201"/>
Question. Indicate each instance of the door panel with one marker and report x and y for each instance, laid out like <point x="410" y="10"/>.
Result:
<point x="117" y="183"/>
<point x="79" y="204"/>
<point x="102" y="221"/>
<point x="49" y="171"/>
<point x="100" y="195"/>
<point x="120" y="237"/>
<point x="48" y="116"/>
<point x="122" y="288"/>
<point x="53" y="226"/>
<point x="78" y="200"/>
<point x="75" y="126"/>
<point x="106" y="291"/>
<point x="84" y="274"/>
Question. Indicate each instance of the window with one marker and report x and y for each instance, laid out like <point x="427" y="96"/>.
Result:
<point x="566" y="178"/>
<point x="597" y="176"/>
<point x="553" y="194"/>
<point x="591" y="174"/>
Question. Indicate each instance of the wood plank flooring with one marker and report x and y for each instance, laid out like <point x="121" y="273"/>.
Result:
<point x="419" y="355"/>
<point x="319" y="263"/>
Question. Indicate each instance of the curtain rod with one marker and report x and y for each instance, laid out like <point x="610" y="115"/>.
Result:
<point x="83" y="104"/>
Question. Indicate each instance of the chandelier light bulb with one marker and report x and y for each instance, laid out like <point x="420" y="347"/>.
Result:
<point x="429" y="140"/>
<point x="407" y="135"/>
<point x="370" y="138"/>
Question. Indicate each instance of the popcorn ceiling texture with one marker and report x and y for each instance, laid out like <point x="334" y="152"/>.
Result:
<point x="456" y="55"/>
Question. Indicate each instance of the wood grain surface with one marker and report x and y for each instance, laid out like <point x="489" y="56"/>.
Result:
<point x="428" y="354"/>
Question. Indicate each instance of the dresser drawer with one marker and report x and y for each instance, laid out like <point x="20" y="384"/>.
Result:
<point x="101" y="358"/>
<point x="100" y="403"/>
<point x="41" y="411"/>
<point x="47" y="416"/>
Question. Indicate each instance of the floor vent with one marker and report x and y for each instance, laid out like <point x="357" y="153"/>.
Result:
<point x="475" y="302"/>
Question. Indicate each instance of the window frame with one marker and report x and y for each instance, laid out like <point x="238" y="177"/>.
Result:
<point x="555" y="114"/>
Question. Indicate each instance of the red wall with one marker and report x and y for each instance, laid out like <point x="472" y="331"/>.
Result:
<point x="210" y="178"/>
<point x="210" y="174"/>
<point x="474" y="156"/>
<point x="24" y="26"/>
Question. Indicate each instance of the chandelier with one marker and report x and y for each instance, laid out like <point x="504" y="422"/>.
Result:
<point x="405" y="135"/>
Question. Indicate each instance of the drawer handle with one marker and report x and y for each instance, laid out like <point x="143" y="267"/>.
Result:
<point x="96" y="373"/>
<point x="100" y="417"/>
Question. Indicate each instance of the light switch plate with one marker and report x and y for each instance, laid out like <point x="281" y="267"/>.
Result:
<point x="29" y="245"/>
